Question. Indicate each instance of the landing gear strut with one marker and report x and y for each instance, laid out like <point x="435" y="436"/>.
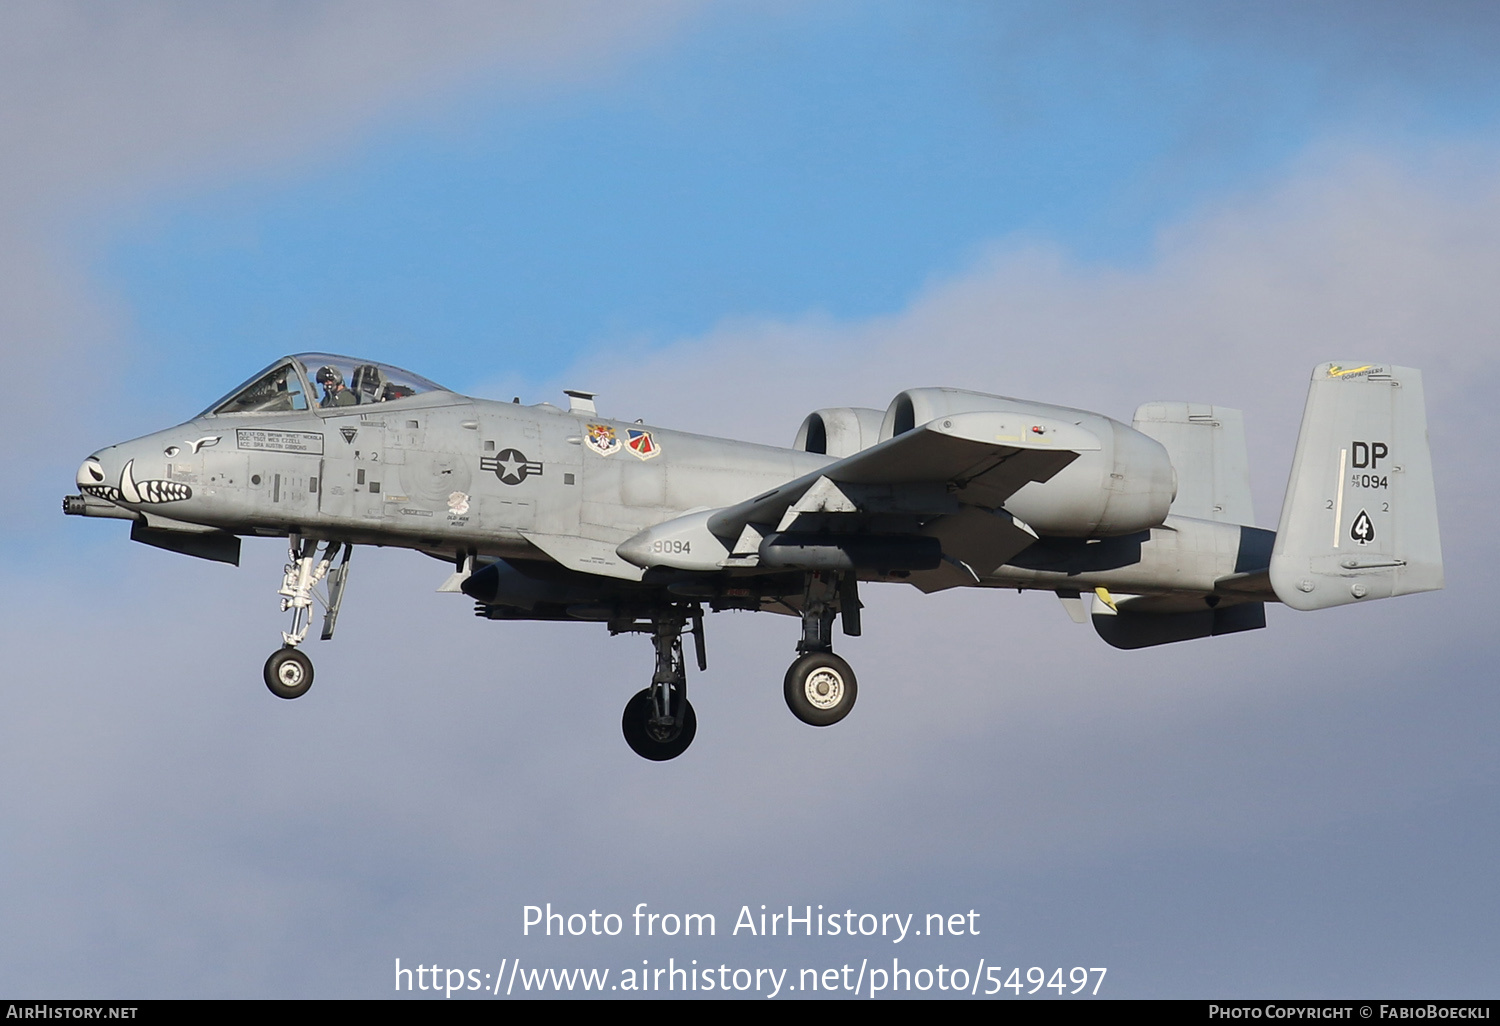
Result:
<point x="820" y="687"/>
<point x="659" y="722"/>
<point x="289" y="672"/>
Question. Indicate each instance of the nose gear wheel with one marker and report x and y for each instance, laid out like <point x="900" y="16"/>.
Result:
<point x="289" y="673"/>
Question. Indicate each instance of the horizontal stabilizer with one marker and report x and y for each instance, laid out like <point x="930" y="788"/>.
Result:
<point x="1360" y="516"/>
<point x="1208" y="452"/>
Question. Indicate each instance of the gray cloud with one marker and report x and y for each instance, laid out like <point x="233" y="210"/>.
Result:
<point x="108" y="98"/>
<point x="1349" y="51"/>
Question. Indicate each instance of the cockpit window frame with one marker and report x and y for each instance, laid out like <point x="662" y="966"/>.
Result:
<point x="216" y="409"/>
<point x="387" y="377"/>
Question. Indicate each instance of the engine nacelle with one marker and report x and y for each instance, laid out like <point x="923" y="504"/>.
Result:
<point x="839" y="431"/>
<point x="1124" y="486"/>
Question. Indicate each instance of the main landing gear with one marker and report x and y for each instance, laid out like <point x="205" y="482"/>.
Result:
<point x="659" y="722"/>
<point x="289" y="672"/>
<point x="820" y="687"/>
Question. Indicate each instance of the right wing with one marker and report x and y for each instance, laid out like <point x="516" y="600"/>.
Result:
<point x="946" y="479"/>
<point x="979" y="459"/>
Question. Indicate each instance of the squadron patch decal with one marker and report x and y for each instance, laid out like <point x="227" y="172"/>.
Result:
<point x="1363" y="530"/>
<point x="602" y="439"/>
<point x="642" y="444"/>
<point x="511" y="466"/>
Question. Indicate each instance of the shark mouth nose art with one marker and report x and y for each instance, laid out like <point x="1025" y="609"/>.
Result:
<point x="91" y="480"/>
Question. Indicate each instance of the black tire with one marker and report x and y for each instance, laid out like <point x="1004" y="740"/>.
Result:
<point x="820" y="689"/>
<point x="646" y="740"/>
<point x="289" y="673"/>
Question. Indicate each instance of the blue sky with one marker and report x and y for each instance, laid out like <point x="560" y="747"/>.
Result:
<point x="831" y="158"/>
<point x="722" y="216"/>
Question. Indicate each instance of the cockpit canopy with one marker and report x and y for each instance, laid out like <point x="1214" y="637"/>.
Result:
<point x="322" y="381"/>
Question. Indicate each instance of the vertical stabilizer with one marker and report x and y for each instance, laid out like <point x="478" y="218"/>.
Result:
<point x="1207" y="447"/>
<point x="1359" y="520"/>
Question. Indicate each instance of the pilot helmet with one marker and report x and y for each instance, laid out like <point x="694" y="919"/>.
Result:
<point x="328" y="375"/>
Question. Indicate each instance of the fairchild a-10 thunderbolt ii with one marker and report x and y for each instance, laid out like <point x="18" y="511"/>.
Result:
<point x="553" y="514"/>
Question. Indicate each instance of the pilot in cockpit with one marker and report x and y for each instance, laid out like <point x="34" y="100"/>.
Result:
<point x="334" y="391"/>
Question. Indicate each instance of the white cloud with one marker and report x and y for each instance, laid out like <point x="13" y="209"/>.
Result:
<point x="1355" y="255"/>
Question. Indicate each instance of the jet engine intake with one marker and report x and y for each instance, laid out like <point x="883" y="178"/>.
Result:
<point x="839" y="431"/>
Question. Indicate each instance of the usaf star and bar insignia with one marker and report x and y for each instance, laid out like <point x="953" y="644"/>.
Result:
<point x="511" y="466"/>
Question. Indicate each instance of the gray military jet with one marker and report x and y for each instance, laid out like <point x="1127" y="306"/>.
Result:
<point x="552" y="514"/>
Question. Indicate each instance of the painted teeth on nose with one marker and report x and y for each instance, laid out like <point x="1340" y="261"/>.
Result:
<point x="150" y="492"/>
<point x="127" y="483"/>
<point x="163" y="491"/>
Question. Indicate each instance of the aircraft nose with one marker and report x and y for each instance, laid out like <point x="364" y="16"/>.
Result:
<point x="128" y="474"/>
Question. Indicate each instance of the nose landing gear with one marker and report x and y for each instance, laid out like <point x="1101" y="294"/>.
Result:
<point x="289" y="671"/>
